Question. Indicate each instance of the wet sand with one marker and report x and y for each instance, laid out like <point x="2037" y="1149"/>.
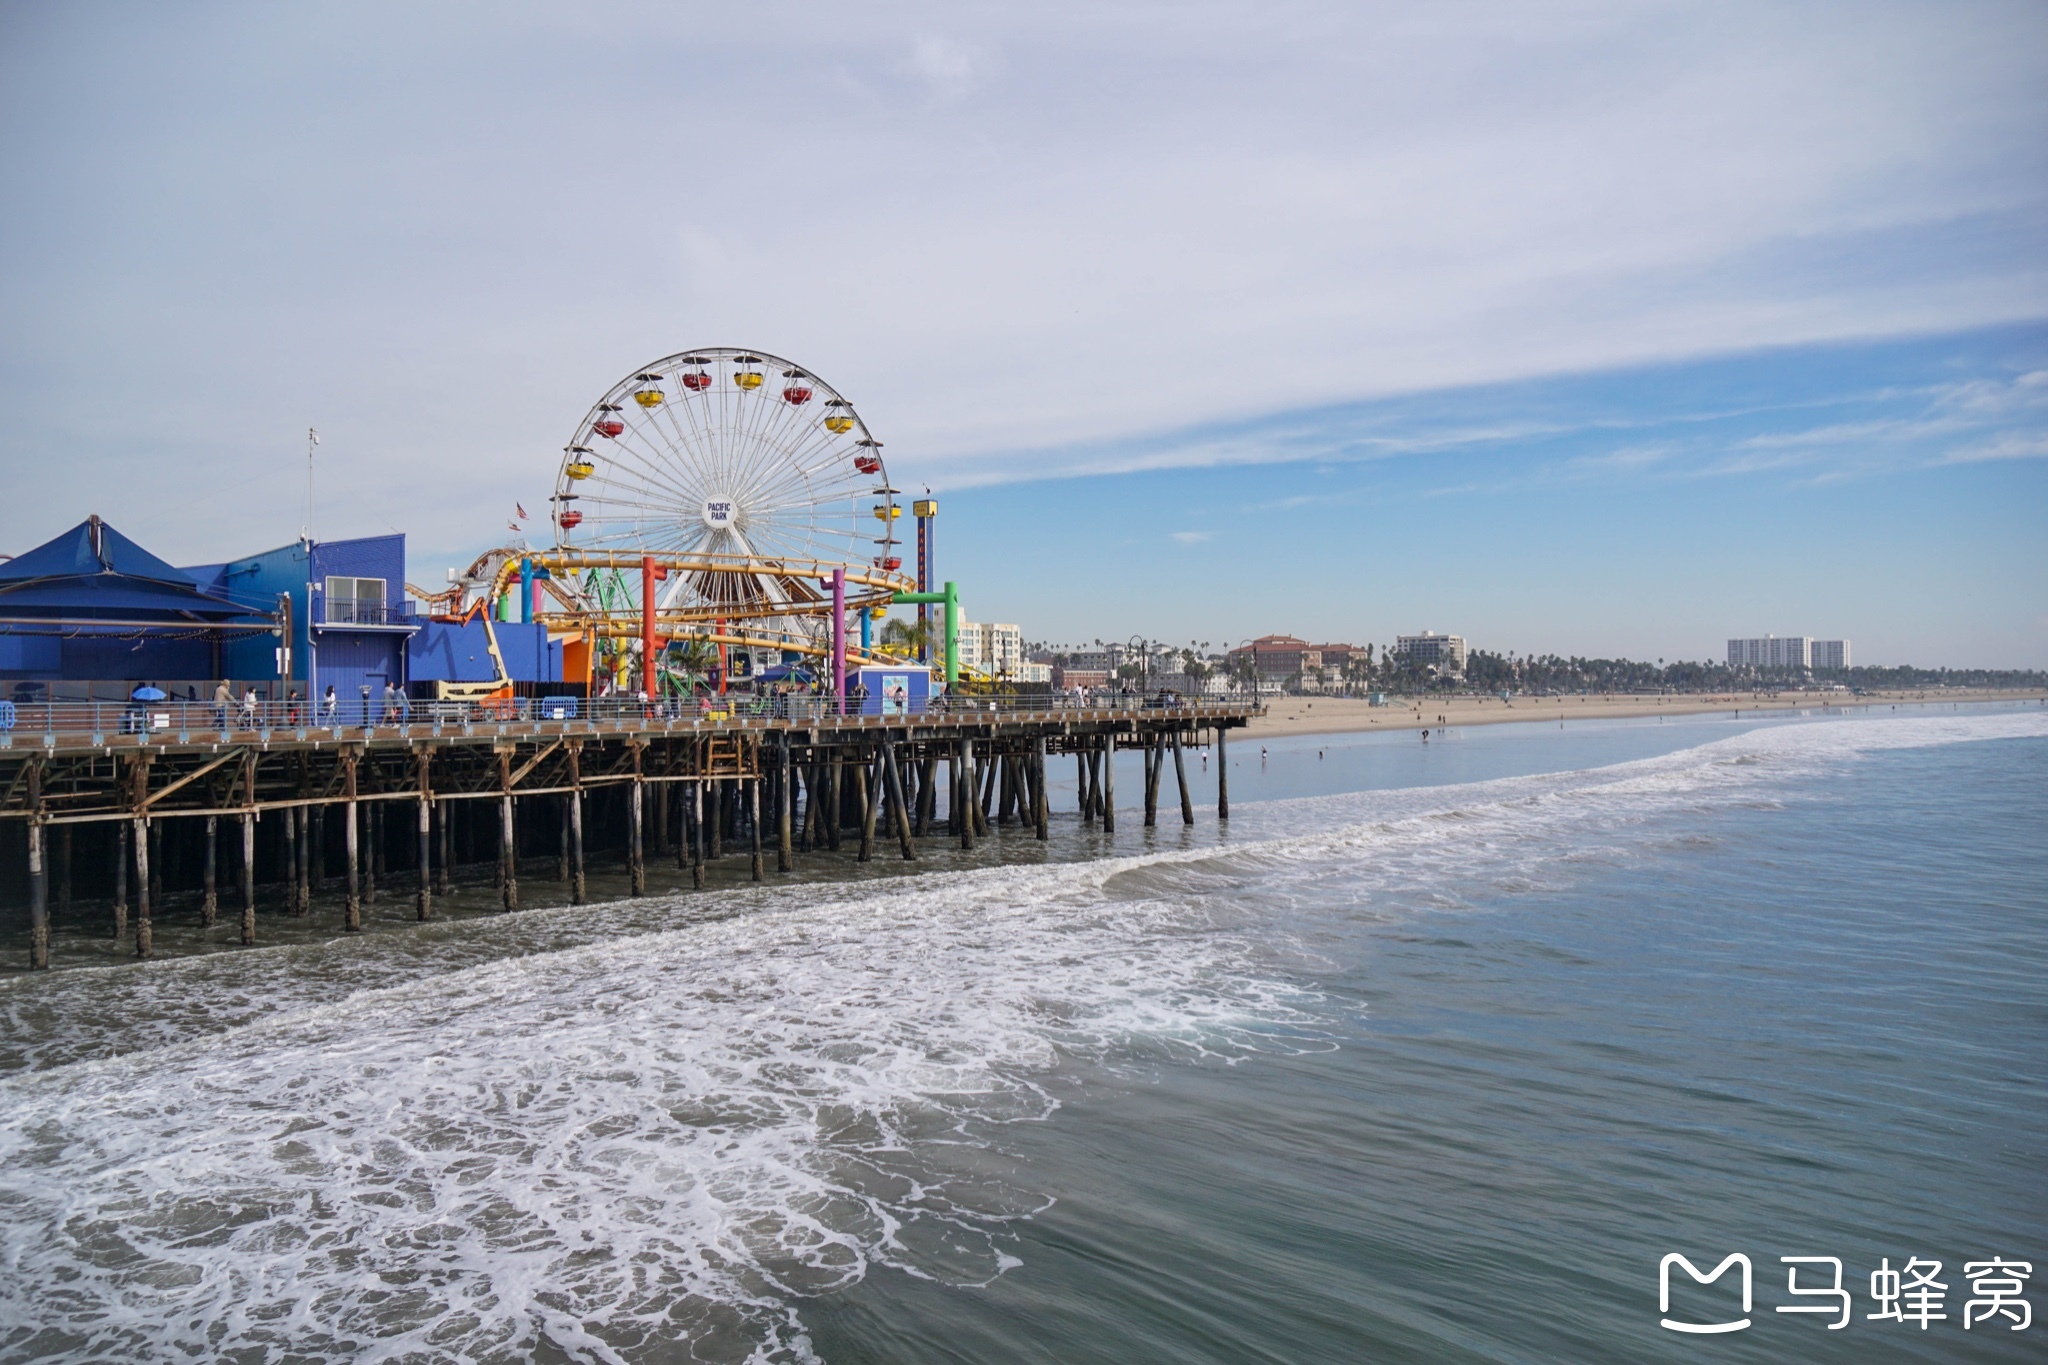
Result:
<point x="1335" y="715"/>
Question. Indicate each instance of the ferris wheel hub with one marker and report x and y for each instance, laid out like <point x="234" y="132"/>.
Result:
<point x="721" y="513"/>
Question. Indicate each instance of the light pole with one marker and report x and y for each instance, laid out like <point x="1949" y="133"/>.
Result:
<point x="1144" y="648"/>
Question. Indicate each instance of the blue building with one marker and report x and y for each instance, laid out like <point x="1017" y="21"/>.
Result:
<point x="452" y="651"/>
<point x="350" y="620"/>
<point x="91" y="615"/>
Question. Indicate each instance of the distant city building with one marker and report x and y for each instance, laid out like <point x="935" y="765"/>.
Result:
<point x="1031" y="671"/>
<point x="1831" y="654"/>
<point x="997" y="649"/>
<point x="1786" y="651"/>
<point x="1283" y="656"/>
<point x="1445" y="653"/>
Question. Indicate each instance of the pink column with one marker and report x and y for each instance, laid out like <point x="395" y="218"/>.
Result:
<point x="839" y="636"/>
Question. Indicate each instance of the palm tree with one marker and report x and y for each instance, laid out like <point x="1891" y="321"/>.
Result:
<point x="910" y="638"/>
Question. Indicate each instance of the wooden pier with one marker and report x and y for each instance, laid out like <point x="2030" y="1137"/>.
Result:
<point x="391" y="809"/>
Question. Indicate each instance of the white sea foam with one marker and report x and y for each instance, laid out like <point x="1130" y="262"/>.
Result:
<point x="676" y="1136"/>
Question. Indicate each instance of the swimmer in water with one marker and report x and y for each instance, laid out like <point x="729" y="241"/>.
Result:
<point x="1425" y="736"/>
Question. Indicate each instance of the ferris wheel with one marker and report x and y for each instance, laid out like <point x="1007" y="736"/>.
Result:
<point x="735" y="457"/>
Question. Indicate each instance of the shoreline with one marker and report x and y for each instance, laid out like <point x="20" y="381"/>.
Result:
<point x="1289" y="716"/>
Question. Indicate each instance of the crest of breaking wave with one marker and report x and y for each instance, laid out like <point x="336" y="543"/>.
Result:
<point x="602" y="1149"/>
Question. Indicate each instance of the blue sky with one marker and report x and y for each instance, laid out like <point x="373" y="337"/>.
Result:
<point x="1603" y="328"/>
<point x="1891" y="493"/>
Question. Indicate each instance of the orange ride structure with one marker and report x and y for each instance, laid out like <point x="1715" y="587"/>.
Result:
<point x="722" y="496"/>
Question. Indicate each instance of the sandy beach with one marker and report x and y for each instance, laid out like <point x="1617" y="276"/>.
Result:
<point x="1336" y="715"/>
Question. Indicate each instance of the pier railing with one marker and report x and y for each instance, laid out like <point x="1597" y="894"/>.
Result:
<point x="185" y="722"/>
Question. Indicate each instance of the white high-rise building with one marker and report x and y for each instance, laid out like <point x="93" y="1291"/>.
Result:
<point x="997" y="649"/>
<point x="1446" y="652"/>
<point x="1787" y="651"/>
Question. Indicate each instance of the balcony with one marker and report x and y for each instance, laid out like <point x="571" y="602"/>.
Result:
<point x="344" y="611"/>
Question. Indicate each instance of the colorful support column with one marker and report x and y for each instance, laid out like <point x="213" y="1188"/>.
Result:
<point x="839" y="636"/>
<point x="649" y="684"/>
<point x="526" y="590"/>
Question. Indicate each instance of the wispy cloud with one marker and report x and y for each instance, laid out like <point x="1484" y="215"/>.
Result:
<point x="1193" y="537"/>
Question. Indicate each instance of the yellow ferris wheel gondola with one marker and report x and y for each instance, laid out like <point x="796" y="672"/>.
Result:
<point x="747" y="377"/>
<point x="838" y="416"/>
<point x="580" y="465"/>
<point x="649" y="396"/>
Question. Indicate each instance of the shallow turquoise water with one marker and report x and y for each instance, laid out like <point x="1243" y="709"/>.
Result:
<point x="1431" y="1055"/>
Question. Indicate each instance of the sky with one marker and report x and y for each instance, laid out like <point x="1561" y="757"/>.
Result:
<point x="1606" y="329"/>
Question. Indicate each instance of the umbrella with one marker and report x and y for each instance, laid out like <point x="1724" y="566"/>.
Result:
<point x="148" y="694"/>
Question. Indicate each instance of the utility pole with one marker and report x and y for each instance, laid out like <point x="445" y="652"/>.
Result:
<point x="312" y="440"/>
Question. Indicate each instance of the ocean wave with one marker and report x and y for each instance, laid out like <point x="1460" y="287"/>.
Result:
<point x="673" y="1120"/>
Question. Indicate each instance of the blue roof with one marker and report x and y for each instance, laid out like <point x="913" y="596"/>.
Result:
<point x="92" y="547"/>
<point x="93" y="572"/>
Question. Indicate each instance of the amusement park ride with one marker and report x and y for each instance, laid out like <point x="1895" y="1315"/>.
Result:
<point x="715" y="500"/>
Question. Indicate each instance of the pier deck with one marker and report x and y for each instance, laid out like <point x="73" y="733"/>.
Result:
<point x="138" y="798"/>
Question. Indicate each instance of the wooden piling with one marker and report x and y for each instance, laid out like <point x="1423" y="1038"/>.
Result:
<point x="577" y="882"/>
<point x="636" y="860"/>
<point x="754" y="825"/>
<point x="1222" y="777"/>
<point x="444" y="875"/>
<point x="718" y="817"/>
<point x="38" y="873"/>
<point x="867" y="811"/>
<point x="508" y="847"/>
<point x="697" y="834"/>
<point x="248" y="877"/>
<point x="373" y="860"/>
<point x="1153" y="763"/>
<point x="209" y="883"/>
<point x="785" y="798"/>
<point x="302" y="850"/>
<point x="424" y="904"/>
<point x="1041" y="803"/>
<point x="1106" y="795"/>
<point x="248" y="849"/>
<point x="121" y="882"/>
<point x="835" y="801"/>
<point x="145" y="937"/>
<point x="352" y="902"/>
<point x="562" y="857"/>
<point x="892" y="773"/>
<point x="1180" y="775"/>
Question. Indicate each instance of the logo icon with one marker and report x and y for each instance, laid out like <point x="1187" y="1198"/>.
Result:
<point x="1664" y="1292"/>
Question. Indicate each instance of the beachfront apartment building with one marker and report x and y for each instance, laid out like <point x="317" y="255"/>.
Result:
<point x="1445" y="653"/>
<point x="1830" y="654"/>
<point x="996" y="649"/>
<point x="1788" y="651"/>
<point x="1771" y="651"/>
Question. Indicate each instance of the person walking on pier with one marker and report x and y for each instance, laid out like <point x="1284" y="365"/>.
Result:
<point x="223" y="699"/>
<point x="329" y="704"/>
<point x="390" y="702"/>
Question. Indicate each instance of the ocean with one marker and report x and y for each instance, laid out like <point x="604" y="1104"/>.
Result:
<point x="1433" y="1052"/>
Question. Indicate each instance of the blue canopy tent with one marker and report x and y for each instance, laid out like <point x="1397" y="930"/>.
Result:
<point x="93" y="606"/>
<point x="786" y="673"/>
